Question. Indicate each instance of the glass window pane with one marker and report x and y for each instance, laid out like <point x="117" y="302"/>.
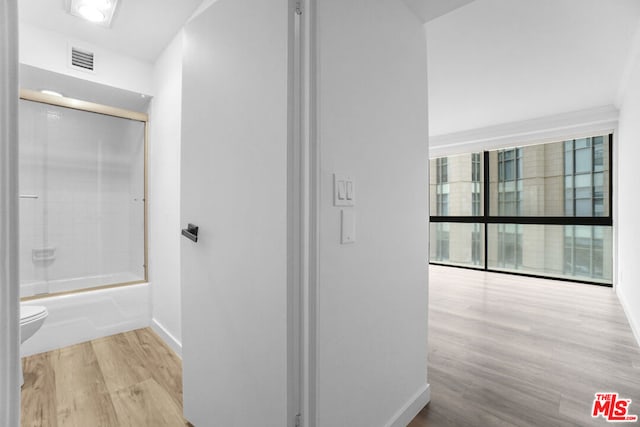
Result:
<point x="551" y="172"/>
<point x="550" y="250"/>
<point x="457" y="244"/>
<point x="567" y="178"/>
<point x="453" y="177"/>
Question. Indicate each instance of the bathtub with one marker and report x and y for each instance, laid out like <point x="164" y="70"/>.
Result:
<point x="84" y="316"/>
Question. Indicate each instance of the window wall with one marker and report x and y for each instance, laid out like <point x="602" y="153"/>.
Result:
<point x="542" y="210"/>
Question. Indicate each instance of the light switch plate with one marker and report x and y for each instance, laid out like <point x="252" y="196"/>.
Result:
<point x="347" y="226"/>
<point x="344" y="190"/>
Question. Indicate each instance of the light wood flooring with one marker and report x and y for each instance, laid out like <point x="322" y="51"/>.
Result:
<point x="503" y="351"/>
<point x="506" y="350"/>
<point x="131" y="379"/>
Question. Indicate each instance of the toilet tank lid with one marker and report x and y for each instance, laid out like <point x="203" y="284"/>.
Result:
<point x="30" y="311"/>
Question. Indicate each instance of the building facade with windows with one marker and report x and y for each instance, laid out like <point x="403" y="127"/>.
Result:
<point x="563" y="184"/>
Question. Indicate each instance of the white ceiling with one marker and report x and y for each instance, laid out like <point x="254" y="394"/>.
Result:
<point x="501" y="61"/>
<point x="140" y="29"/>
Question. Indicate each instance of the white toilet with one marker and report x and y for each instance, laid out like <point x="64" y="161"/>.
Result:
<point x="31" y="319"/>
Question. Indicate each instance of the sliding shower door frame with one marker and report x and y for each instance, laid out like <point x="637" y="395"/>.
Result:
<point x="91" y="107"/>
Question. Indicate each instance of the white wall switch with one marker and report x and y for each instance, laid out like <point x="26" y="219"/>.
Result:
<point x="347" y="226"/>
<point x="343" y="190"/>
<point x="349" y="190"/>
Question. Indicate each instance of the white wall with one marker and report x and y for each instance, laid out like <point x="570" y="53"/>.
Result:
<point x="50" y="50"/>
<point x="9" y="292"/>
<point x="372" y="294"/>
<point x="164" y="194"/>
<point x="628" y="285"/>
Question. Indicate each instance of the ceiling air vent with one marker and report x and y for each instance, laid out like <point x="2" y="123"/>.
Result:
<point x="82" y="59"/>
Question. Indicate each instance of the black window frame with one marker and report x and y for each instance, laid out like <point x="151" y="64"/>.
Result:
<point x="486" y="219"/>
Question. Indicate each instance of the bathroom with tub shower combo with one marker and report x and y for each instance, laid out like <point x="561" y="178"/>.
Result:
<point x="82" y="190"/>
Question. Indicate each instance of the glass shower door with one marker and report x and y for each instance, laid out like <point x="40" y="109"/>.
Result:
<point x="32" y="177"/>
<point x="82" y="205"/>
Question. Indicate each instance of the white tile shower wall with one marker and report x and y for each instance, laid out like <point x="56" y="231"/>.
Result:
<point x="80" y="166"/>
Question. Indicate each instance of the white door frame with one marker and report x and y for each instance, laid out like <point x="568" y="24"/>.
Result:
<point x="308" y="203"/>
<point x="9" y="280"/>
<point x="301" y="211"/>
<point x="295" y="218"/>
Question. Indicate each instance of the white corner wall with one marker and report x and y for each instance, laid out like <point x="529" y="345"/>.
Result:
<point x="50" y="50"/>
<point x="372" y="294"/>
<point x="628" y="145"/>
<point x="164" y="194"/>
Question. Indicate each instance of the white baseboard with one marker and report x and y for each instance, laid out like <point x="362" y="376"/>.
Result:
<point x="167" y="337"/>
<point x="635" y="328"/>
<point x="410" y="409"/>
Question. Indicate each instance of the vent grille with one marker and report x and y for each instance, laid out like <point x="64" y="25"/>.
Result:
<point x="82" y="59"/>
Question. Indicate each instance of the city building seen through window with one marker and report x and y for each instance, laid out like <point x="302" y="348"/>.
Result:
<point x="548" y="210"/>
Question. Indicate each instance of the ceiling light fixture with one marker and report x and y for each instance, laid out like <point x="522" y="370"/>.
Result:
<point x="97" y="11"/>
<point x="91" y="13"/>
<point x="51" y="92"/>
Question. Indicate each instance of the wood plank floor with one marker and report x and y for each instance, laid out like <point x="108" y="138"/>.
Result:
<point x="503" y="351"/>
<point x="131" y="379"/>
<point x="515" y="351"/>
